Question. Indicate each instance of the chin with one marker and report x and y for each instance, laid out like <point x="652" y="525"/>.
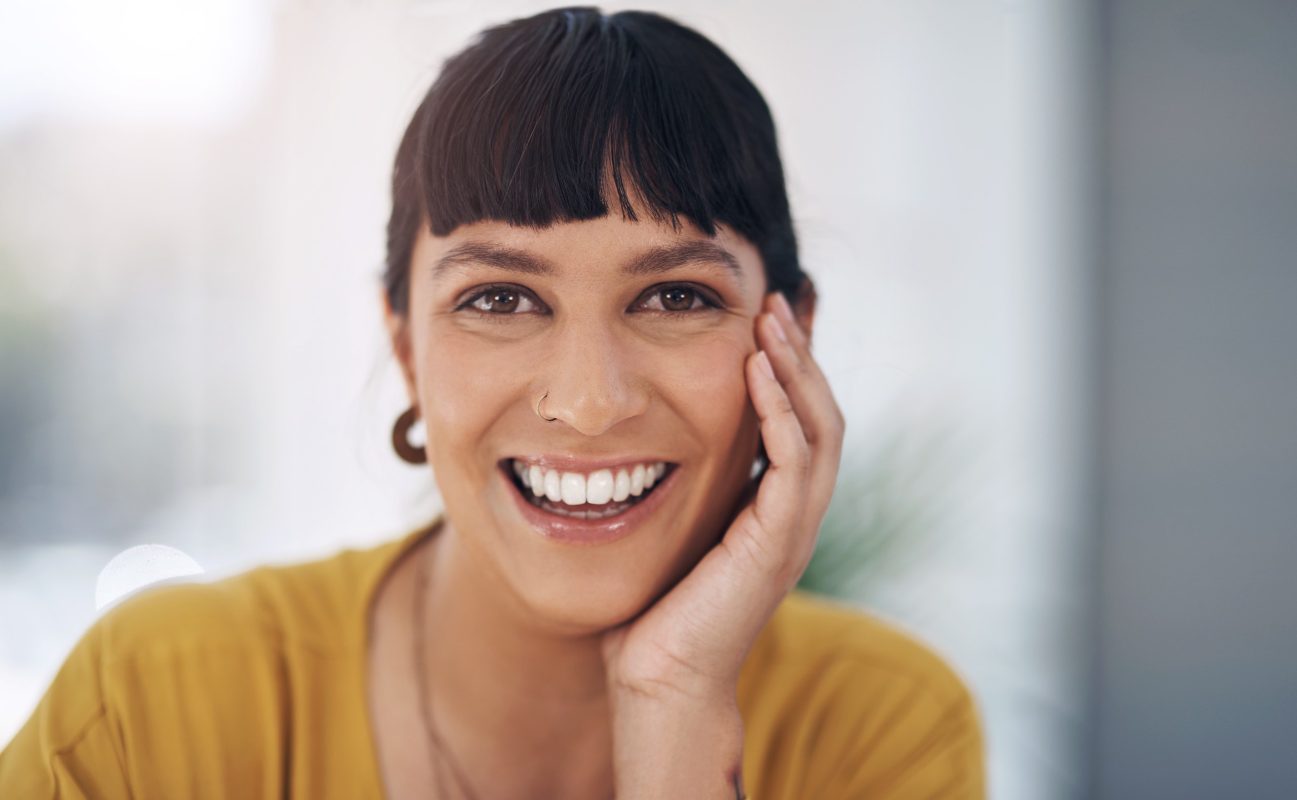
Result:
<point x="589" y="606"/>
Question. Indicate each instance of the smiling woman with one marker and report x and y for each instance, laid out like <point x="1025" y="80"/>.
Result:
<point x="593" y="293"/>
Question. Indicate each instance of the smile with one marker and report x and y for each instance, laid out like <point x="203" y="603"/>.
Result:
<point x="586" y="506"/>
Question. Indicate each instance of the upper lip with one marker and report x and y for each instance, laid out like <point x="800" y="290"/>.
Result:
<point x="569" y="463"/>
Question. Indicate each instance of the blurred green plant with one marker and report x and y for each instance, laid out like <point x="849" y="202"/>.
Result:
<point x="883" y="516"/>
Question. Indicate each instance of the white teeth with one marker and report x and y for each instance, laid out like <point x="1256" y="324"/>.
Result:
<point x="573" y="488"/>
<point x="600" y="487"/>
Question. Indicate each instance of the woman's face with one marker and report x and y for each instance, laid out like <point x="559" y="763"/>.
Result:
<point x="638" y="333"/>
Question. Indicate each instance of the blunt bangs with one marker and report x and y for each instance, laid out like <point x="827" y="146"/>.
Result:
<point x="554" y="117"/>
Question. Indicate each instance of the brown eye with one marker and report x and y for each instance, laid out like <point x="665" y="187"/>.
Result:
<point x="677" y="298"/>
<point x="501" y="301"/>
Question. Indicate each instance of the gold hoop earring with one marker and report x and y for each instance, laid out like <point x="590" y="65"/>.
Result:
<point x="538" y="411"/>
<point x="400" y="441"/>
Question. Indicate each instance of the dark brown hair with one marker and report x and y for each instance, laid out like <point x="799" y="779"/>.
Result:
<point x="530" y="122"/>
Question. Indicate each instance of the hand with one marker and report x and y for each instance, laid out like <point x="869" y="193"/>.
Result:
<point x="693" y="641"/>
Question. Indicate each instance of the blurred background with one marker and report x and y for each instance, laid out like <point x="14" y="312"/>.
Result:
<point x="1054" y="245"/>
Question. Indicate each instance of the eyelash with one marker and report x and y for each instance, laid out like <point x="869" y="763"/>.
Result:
<point x="709" y="302"/>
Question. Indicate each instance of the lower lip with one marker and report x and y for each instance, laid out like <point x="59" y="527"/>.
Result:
<point x="590" y="531"/>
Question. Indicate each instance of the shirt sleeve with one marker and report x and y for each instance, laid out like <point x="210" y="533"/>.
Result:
<point x="67" y="748"/>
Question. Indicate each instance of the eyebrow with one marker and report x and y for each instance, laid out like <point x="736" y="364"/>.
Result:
<point x="653" y="261"/>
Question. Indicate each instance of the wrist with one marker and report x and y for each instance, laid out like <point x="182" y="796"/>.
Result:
<point x="682" y="747"/>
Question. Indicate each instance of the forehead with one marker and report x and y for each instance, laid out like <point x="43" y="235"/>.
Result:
<point x="609" y="246"/>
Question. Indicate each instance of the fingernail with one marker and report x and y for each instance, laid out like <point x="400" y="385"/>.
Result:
<point x="763" y="361"/>
<point x="785" y="310"/>
<point x="776" y="327"/>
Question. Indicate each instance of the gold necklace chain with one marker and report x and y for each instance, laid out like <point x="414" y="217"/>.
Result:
<point x="436" y="746"/>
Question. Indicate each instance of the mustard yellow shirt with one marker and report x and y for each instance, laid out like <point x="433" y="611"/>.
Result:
<point x="254" y="687"/>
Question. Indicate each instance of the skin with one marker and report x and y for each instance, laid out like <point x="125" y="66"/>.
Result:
<point x="580" y="671"/>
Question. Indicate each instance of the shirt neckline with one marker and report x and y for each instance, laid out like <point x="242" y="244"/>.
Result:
<point x="390" y="555"/>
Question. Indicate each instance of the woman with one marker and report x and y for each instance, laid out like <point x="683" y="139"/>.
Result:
<point x="593" y="293"/>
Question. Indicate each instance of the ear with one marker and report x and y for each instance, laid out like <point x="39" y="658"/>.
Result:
<point x="398" y="334"/>
<point x="803" y="305"/>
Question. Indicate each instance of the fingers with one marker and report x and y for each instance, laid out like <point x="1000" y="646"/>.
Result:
<point x="802" y="429"/>
<point x="795" y="366"/>
<point x="780" y="497"/>
<point x="807" y="390"/>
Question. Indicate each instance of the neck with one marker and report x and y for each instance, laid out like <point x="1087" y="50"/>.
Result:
<point x="523" y="710"/>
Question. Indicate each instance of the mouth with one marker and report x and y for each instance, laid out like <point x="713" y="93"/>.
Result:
<point x="587" y="507"/>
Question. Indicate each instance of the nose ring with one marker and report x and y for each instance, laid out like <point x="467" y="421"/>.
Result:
<point x="538" y="411"/>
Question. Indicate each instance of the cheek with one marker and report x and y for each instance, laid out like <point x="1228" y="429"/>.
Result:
<point x="463" y="386"/>
<point x="705" y="382"/>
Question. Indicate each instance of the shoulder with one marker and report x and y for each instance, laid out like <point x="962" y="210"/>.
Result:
<point x="190" y="626"/>
<point x="841" y="701"/>
<point x="812" y="632"/>
<point x="246" y="638"/>
<point x="305" y="604"/>
<point x="202" y="674"/>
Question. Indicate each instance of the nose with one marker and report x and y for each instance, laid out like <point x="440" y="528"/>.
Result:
<point x="593" y="380"/>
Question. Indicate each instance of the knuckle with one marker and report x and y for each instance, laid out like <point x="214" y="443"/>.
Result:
<point x="803" y="370"/>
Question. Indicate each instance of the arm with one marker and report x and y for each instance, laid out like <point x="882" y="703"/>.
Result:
<point x="664" y="749"/>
